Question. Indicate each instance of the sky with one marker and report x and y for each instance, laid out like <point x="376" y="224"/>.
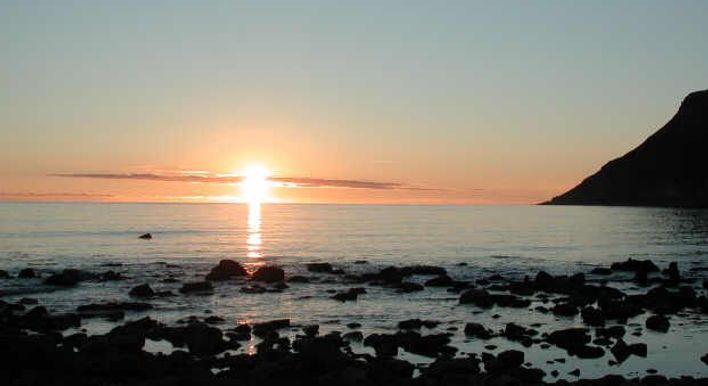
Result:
<point x="504" y="102"/>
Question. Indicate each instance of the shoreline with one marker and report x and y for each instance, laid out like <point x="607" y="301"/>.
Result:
<point x="348" y="355"/>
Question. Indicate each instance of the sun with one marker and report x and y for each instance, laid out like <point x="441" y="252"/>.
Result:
<point x="255" y="187"/>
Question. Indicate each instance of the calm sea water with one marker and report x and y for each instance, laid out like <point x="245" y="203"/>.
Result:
<point x="510" y="240"/>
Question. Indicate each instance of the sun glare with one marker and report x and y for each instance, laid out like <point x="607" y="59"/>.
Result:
<point x="255" y="185"/>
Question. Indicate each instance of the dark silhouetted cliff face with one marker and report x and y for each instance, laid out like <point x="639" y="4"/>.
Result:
<point x="669" y="169"/>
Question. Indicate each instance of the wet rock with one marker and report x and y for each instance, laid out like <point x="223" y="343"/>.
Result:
<point x="320" y="267"/>
<point x="569" y="337"/>
<point x="611" y="332"/>
<point x="593" y="316"/>
<point x="269" y="274"/>
<point x="142" y="291"/>
<point x="426" y="345"/>
<point x="384" y="345"/>
<point x="586" y="352"/>
<point x="354" y="325"/>
<point x="621" y="351"/>
<point x="350" y="295"/>
<point x="68" y="278"/>
<point x="198" y="287"/>
<point x="353" y="336"/>
<point x="635" y="266"/>
<point x="511" y="358"/>
<point x="4" y="274"/>
<point x="451" y="371"/>
<point x="440" y="281"/>
<point x="111" y="276"/>
<point x="424" y="270"/>
<point x="478" y="331"/>
<point x="483" y="299"/>
<point x="299" y="279"/>
<point x="565" y="309"/>
<point x="262" y="329"/>
<point x="601" y="271"/>
<point x="27" y="273"/>
<point x="658" y="323"/>
<point x="145" y="236"/>
<point x="225" y="270"/>
<point x="28" y="301"/>
<point x="704" y="359"/>
<point x="416" y="324"/>
<point x="673" y="273"/>
<point x="408" y="287"/>
<point x="575" y="373"/>
<point x="311" y="331"/>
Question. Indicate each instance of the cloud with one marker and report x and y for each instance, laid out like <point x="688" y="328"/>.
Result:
<point x="57" y="195"/>
<point x="288" y="182"/>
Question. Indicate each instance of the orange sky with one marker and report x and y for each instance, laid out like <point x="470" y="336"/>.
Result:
<point x="402" y="102"/>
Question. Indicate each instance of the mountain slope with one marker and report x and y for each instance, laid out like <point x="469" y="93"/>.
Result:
<point x="669" y="169"/>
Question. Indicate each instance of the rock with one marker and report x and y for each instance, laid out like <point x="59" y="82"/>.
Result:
<point x="262" y="329"/>
<point x="593" y="316"/>
<point x="320" y="267"/>
<point x="311" y="331"/>
<point x="142" y="291"/>
<point x="569" y="337"/>
<point x="478" y="331"/>
<point x="601" y="271"/>
<point x="253" y="289"/>
<point x="483" y="299"/>
<point x="350" y="295"/>
<point x="354" y="325"/>
<point x="621" y="351"/>
<point x="616" y="332"/>
<point x="4" y="274"/>
<point x="658" y="323"/>
<point x="704" y="359"/>
<point x="353" y="336"/>
<point x="27" y="273"/>
<point x="198" y="287"/>
<point x="586" y="352"/>
<point x="407" y="287"/>
<point x="28" y="301"/>
<point x="440" y="281"/>
<point x="225" y="270"/>
<point x="635" y="266"/>
<point x="68" y="278"/>
<point x="673" y="273"/>
<point x="576" y="373"/>
<point x="299" y="279"/>
<point x="269" y="274"/>
<point x="111" y="276"/>
<point x="565" y="309"/>
<point x="424" y="270"/>
<point x="511" y="358"/>
<point x="145" y="236"/>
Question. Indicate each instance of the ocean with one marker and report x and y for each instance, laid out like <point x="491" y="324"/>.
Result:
<point x="471" y="242"/>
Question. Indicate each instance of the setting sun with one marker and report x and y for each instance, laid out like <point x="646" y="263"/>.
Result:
<point x="255" y="185"/>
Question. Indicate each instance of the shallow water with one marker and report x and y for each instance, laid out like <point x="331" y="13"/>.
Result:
<point x="510" y="240"/>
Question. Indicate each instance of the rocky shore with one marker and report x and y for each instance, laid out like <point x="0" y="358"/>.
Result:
<point x="41" y="347"/>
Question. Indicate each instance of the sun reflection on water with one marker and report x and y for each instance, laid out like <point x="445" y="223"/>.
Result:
<point x="254" y="240"/>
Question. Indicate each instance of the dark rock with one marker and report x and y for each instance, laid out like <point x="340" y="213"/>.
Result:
<point x="478" y="331"/>
<point x="611" y="332"/>
<point x="142" y="291"/>
<point x="253" y="289"/>
<point x="511" y="358"/>
<point x="269" y="274"/>
<point x="621" y="351"/>
<point x="673" y="273"/>
<point x="299" y="279"/>
<point x="354" y="325"/>
<point x="632" y="265"/>
<point x="408" y="287"/>
<point x="4" y="274"/>
<point x="28" y="301"/>
<point x="667" y="170"/>
<point x="263" y="329"/>
<point x="593" y="316"/>
<point x="569" y="337"/>
<point x="320" y="267"/>
<point x="111" y="276"/>
<point x="601" y="271"/>
<point x="198" y="287"/>
<point x="483" y="299"/>
<point x="440" y="281"/>
<point x="350" y="295"/>
<point x="354" y="336"/>
<point x="27" y="273"/>
<point x="586" y="352"/>
<point x="68" y="278"/>
<point x="225" y="270"/>
<point x="704" y="359"/>
<point x="565" y="309"/>
<point x="658" y="323"/>
<point x="311" y="331"/>
<point x="145" y="236"/>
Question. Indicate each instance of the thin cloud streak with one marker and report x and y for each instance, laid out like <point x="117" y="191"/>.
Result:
<point x="286" y="182"/>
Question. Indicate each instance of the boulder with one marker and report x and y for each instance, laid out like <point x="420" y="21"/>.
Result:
<point x="477" y="330"/>
<point x="27" y="273"/>
<point x="262" y="329"/>
<point x="198" y="287"/>
<point x="145" y="236"/>
<point x="632" y="265"/>
<point x="320" y="267"/>
<point x="658" y="323"/>
<point x="226" y="269"/>
<point x="142" y="291"/>
<point x="269" y="274"/>
<point x="68" y="278"/>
